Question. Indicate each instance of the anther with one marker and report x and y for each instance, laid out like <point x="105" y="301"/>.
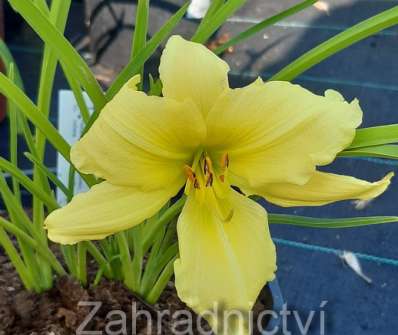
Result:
<point x="189" y="173"/>
<point x="207" y="166"/>
<point x="224" y="161"/>
<point x="222" y="178"/>
<point x="209" y="181"/>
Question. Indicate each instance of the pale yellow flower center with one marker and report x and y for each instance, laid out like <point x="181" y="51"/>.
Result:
<point x="208" y="182"/>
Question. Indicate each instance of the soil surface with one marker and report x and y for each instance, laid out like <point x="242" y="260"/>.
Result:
<point x="58" y="312"/>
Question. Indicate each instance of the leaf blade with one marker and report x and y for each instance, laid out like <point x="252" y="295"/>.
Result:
<point x="311" y="222"/>
<point x="339" y="42"/>
<point x="264" y="24"/>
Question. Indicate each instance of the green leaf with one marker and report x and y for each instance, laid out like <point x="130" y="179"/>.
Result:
<point x="339" y="42"/>
<point x="13" y="138"/>
<point x="155" y="86"/>
<point x="33" y="188"/>
<point x="264" y="24"/>
<point x="16" y="260"/>
<point x="140" y="32"/>
<point x="382" y="151"/>
<point x="366" y="137"/>
<point x="69" y="57"/>
<point x="78" y="93"/>
<point x="130" y="277"/>
<point x="141" y="27"/>
<point x="214" y="7"/>
<point x="99" y="258"/>
<point x="12" y="92"/>
<point x="26" y="106"/>
<point x="162" y="282"/>
<point x="49" y="174"/>
<point x="7" y="59"/>
<point x="57" y="15"/>
<point x="14" y="75"/>
<point x="312" y="222"/>
<point x="27" y="132"/>
<point x="217" y="19"/>
<point x="14" y="207"/>
<point x="134" y="65"/>
<point x="82" y="263"/>
<point x="43" y="250"/>
<point x="169" y="214"/>
<point x="20" y="219"/>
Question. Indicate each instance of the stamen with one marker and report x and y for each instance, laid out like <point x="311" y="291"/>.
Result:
<point x="191" y="176"/>
<point x="207" y="166"/>
<point x="189" y="173"/>
<point x="209" y="181"/>
<point x="224" y="161"/>
<point x="222" y="178"/>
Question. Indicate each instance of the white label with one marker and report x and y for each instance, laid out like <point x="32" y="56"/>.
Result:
<point x="197" y="9"/>
<point x="70" y="126"/>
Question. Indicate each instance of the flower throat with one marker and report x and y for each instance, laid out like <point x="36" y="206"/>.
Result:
<point x="208" y="182"/>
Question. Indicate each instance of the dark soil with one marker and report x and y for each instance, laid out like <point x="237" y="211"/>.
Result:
<point x="57" y="312"/>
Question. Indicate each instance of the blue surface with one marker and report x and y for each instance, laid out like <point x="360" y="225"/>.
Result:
<point x="309" y="269"/>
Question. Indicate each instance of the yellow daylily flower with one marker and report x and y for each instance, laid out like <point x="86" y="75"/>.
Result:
<point x="266" y="139"/>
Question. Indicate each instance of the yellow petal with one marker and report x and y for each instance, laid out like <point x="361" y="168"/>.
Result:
<point x="322" y="188"/>
<point x="190" y="70"/>
<point x="223" y="263"/>
<point x="279" y="132"/>
<point x="104" y="210"/>
<point x="140" y="140"/>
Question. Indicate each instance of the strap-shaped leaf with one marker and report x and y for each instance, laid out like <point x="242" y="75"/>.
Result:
<point x="33" y="188"/>
<point x="68" y="56"/>
<point x="304" y="221"/>
<point x="337" y="43"/>
<point x="264" y="24"/>
<point x="380" y="151"/>
<point x="366" y="137"/>
<point x="14" y="93"/>
<point x="42" y="249"/>
<point x="134" y="65"/>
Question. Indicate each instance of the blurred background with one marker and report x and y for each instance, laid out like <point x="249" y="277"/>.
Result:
<point x="310" y="270"/>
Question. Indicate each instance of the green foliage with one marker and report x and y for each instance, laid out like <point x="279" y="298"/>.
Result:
<point x="339" y="42"/>
<point x="141" y="257"/>
<point x="244" y="35"/>
<point x="311" y="222"/>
